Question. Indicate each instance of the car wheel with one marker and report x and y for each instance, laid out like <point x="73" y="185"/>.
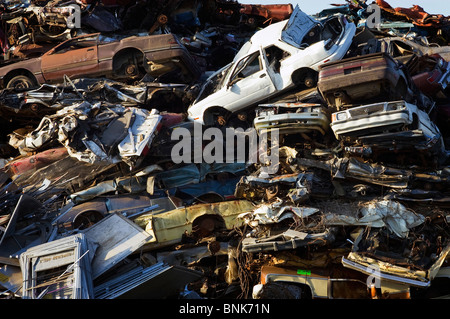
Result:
<point x="221" y="120"/>
<point x="21" y="82"/>
<point x="206" y="225"/>
<point x="128" y="65"/>
<point x="310" y="80"/>
<point x="305" y="78"/>
<point x="216" y="116"/>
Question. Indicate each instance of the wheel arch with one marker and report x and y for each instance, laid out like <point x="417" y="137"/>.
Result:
<point x="205" y="224"/>
<point x="92" y="215"/>
<point x="299" y="75"/>
<point x="21" y="71"/>
<point x="209" y="112"/>
<point x="120" y="55"/>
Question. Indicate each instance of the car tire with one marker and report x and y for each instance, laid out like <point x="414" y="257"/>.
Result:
<point x="216" y="116"/>
<point x="310" y="80"/>
<point x="21" y="82"/>
<point x="305" y="78"/>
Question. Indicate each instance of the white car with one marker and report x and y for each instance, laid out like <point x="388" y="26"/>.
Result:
<point x="390" y="128"/>
<point x="275" y="59"/>
<point x="379" y="118"/>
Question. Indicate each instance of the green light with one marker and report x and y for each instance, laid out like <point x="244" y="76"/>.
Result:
<point x="303" y="272"/>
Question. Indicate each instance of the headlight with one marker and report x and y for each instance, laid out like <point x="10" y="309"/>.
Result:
<point x="395" y="106"/>
<point x="317" y="110"/>
<point x="265" y="112"/>
<point x="341" y="116"/>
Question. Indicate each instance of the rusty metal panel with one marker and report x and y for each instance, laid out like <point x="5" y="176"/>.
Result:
<point x="168" y="228"/>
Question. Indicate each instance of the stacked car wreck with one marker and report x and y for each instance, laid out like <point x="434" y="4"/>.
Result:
<point x="95" y="206"/>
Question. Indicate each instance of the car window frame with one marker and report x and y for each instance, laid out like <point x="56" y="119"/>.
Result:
<point x="245" y="61"/>
<point x="66" y="44"/>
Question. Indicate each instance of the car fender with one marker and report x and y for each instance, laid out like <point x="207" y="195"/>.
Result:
<point x="31" y="66"/>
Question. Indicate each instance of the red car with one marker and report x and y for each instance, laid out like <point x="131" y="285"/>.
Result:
<point x="88" y="56"/>
<point x="430" y="73"/>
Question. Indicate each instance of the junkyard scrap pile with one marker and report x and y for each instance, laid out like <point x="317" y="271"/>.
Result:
<point x="96" y="203"/>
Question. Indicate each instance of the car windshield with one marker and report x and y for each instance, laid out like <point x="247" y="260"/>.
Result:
<point x="213" y="84"/>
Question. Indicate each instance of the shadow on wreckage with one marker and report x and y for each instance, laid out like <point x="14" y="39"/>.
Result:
<point x="361" y="191"/>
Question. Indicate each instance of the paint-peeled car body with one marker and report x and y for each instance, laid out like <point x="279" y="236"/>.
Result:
<point x="92" y="55"/>
<point x="276" y="59"/>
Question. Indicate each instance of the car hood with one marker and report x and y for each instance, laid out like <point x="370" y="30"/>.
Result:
<point x="291" y="31"/>
<point x="297" y="27"/>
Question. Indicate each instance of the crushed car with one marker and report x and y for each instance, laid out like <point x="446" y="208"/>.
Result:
<point x="199" y="220"/>
<point x="388" y="127"/>
<point x="276" y="59"/>
<point x="91" y="55"/>
<point x="290" y="118"/>
<point x="372" y="76"/>
<point x="295" y="283"/>
<point x="430" y="73"/>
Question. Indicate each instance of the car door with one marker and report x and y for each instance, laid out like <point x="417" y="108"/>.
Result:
<point x="74" y="57"/>
<point x="250" y="82"/>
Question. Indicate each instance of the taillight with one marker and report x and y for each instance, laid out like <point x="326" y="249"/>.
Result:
<point x="434" y="76"/>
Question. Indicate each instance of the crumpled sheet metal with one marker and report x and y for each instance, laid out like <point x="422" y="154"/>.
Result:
<point x="141" y="133"/>
<point x="79" y="122"/>
<point x="33" y="140"/>
<point x="275" y="213"/>
<point x="385" y="213"/>
<point x="270" y="12"/>
<point x="133" y="184"/>
<point x="416" y="14"/>
<point x="287" y="240"/>
<point x="389" y="271"/>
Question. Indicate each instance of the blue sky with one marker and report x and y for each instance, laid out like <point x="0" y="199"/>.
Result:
<point x="315" y="6"/>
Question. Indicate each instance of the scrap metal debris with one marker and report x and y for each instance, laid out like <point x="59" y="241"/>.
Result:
<point x="94" y="204"/>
